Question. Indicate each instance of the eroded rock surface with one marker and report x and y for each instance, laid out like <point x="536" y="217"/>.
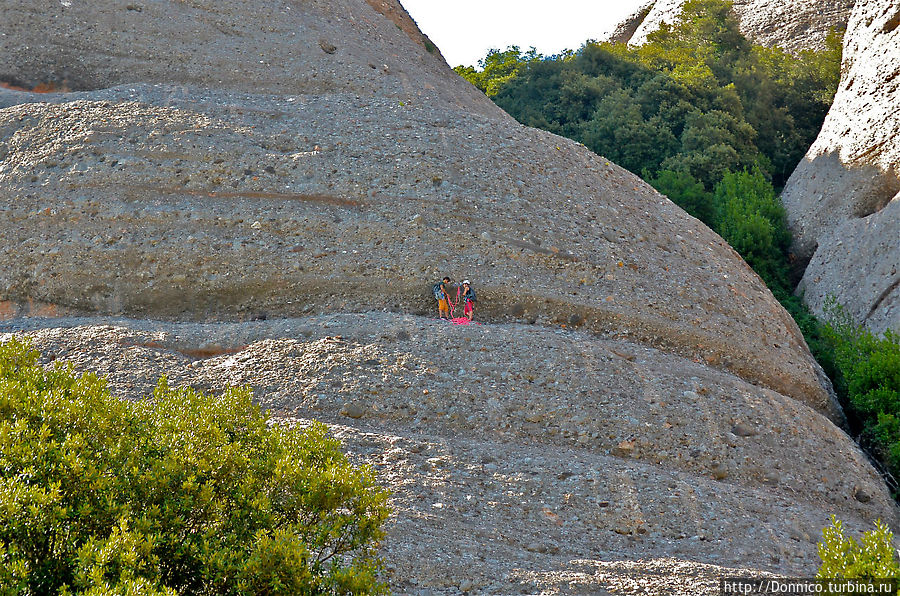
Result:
<point x="624" y="31"/>
<point x="152" y="201"/>
<point x="525" y="458"/>
<point x="842" y="200"/>
<point x="639" y="393"/>
<point x="789" y="24"/>
<point x="288" y="46"/>
<point x="144" y="201"/>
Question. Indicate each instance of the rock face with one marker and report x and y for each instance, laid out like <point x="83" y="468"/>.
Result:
<point x="255" y="160"/>
<point x="789" y="24"/>
<point x="149" y="202"/>
<point x="625" y="30"/>
<point x="534" y="456"/>
<point x="335" y="194"/>
<point x="292" y="46"/>
<point x="842" y="200"/>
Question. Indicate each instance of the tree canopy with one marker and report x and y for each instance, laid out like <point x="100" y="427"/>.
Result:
<point x="698" y="98"/>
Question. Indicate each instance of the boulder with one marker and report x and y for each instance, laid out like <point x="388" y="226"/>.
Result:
<point x="792" y="25"/>
<point x="842" y="200"/>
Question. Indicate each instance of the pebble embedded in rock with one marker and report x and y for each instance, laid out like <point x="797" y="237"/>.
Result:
<point x="536" y="547"/>
<point x="353" y="409"/>
<point x="744" y="430"/>
<point x="862" y="496"/>
<point x="720" y="472"/>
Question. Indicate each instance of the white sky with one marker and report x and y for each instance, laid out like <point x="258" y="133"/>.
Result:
<point x="465" y="30"/>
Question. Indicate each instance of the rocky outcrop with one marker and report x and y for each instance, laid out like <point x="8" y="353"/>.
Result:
<point x="842" y="200"/>
<point x="302" y="161"/>
<point x="346" y="191"/>
<point x="146" y="201"/>
<point x="793" y="25"/>
<point x="313" y="47"/>
<point x="533" y="456"/>
<point x="625" y="30"/>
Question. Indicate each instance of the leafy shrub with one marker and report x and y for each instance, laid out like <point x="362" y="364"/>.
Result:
<point x="752" y="219"/>
<point x="685" y="191"/>
<point x="868" y="379"/>
<point x="845" y="558"/>
<point x="178" y="494"/>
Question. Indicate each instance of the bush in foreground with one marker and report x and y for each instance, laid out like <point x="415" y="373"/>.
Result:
<point x="178" y="494"/>
<point x="844" y="558"/>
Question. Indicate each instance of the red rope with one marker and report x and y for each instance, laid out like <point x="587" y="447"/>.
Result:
<point x="451" y="303"/>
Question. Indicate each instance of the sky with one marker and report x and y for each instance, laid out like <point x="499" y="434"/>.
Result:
<point x="465" y="30"/>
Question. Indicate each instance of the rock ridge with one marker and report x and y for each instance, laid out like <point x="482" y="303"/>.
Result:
<point x="842" y="200"/>
<point x="792" y="25"/>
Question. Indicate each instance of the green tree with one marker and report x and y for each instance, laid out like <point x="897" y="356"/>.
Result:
<point x="687" y="192"/>
<point x="751" y="218"/>
<point x="497" y="68"/>
<point x="706" y="34"/>
<point x="620" y="132"/>
<point x="177" y="494"/>
<point x="713" y="143"/>
<point x="728" y="104"/>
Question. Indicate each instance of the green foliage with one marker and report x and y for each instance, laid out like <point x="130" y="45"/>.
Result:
<point x="178" y="494"/>
<point x="697" y="98"/>
<point x="497" y="68"/>
<point x="752" y="219"/>
<point x="868" y="378"/>
<point x="685" y="191"/>
<point x="843" y="557"/>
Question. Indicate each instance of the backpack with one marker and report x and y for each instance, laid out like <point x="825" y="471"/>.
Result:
<point x="471" y="296"/>
<point x="438" y="292"/>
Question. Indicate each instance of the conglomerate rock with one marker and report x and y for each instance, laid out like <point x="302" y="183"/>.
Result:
<point x="366" y="47"/>
<point x="792" y="25"/>
<point x="842" y="200"/>
<point x="148" y="201"/>
<point x="524" y="458"/>
<point x="274" y="160"/>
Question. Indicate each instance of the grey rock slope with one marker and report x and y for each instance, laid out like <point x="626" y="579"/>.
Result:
<point x="789" y="24"/>
<point x="148" y="201"/>
<point x="233" y="160"/>
<point x="288" y="46"/>
<point x="372" y="171"/>
<point x="842" y="200"/>
<point x="525" y="459"/>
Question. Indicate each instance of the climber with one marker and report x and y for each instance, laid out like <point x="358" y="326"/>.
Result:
<point x="468" y="296"/>
<point x="441" y="292"/>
